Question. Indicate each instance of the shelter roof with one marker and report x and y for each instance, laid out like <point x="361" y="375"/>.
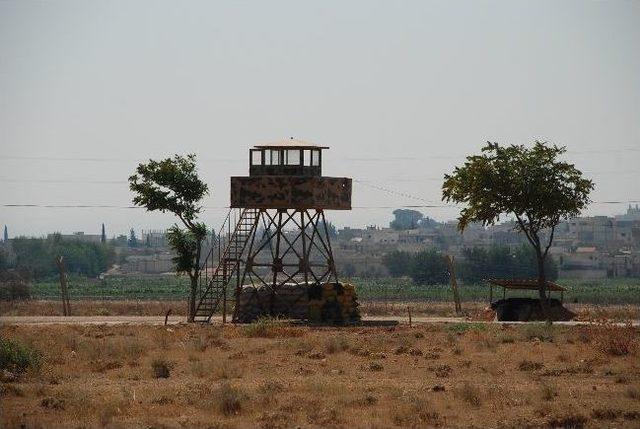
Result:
<point x="290" y="143"/>
<point x="524" y="284"/>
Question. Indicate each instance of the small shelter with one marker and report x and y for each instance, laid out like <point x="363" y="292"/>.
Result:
<point x="522" y="284"/>
<point x="527" y="309"/>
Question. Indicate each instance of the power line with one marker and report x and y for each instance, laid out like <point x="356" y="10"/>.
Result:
<point x="395" y="206"/>
<point x="391" y="191"/>
<point x="356" y="159"/>
<point x="101" y="159"/>
<point x="62" y="181"/>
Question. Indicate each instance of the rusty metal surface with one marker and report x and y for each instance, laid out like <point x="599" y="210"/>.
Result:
<point x="525" y="284"/>
<point x="281" y="192"/>
<point x="290" y="143"/>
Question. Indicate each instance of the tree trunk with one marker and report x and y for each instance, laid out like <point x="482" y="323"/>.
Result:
<point x="542" y="286"/>
<point x="195" y="278"/>
<point x="192" y="299"/>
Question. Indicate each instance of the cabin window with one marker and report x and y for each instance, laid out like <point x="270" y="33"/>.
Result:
<point x="315" y="158"/>
<point x="256" y="157"/>
<point x="274" y="157"/>
<point x="293" y="157"/>
<point x="306" y="155"/>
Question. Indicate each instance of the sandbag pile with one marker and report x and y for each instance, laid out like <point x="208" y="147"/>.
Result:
<point x="318" y="303"/>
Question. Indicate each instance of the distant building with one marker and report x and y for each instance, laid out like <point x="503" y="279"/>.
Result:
<point x="155" y="238"/>
<point x="77" y="236"/>
<point x="633" y="214"/>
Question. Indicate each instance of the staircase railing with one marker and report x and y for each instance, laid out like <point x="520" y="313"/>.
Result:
<point x="220" y="264"/>
<point x="214" y="255"/>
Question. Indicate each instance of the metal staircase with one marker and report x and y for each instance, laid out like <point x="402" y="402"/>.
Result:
<point x="223" y="263"/>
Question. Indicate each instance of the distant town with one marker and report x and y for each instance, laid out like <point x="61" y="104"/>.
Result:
<point x="585" y="247"/>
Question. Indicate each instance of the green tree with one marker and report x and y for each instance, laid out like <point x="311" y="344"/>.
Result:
<point x="398" y="263"/>
<point x="33" y="256"/>
<point x="103" y="236"/>
<point x="4" y="260"/>
<point x="429" y="268"/>
<point x="526" y="264"/>
<point x="349" y="270"/>
<point x="36" y="256"/>
<point x="406" y="219"/>
<point x="172" y="185"/>
<point x="498" y="262"/>
<point x="532" y="184"/>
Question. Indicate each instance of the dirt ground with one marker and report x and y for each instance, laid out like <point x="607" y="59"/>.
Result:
<point x="274" y="375"/>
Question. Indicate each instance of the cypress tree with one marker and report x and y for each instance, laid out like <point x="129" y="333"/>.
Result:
<point x="103" y="237"/>
<point x="6" y="234"/>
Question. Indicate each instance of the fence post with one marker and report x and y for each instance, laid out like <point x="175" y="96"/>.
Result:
<point x="66" y="309"/>
<point x="454" y="284"/>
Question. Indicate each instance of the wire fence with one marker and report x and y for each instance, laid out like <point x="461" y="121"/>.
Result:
<point x="159" y="288"/>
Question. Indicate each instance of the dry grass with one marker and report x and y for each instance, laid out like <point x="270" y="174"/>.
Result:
<point x="474" y="310"/>
<point x="93" y="308"/>
<point x="274" y="375"/>
<point x="477" y="310"/>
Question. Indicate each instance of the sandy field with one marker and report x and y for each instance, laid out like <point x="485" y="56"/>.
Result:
<point x="275" y="375"/>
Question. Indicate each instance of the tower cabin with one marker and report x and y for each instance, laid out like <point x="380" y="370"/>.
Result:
<point x="291" y="157"/>
<point x="288" y="175"/>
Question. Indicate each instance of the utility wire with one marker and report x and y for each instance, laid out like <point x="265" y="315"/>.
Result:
<point x="107" y="206"/>
<point x="358" y="159"/>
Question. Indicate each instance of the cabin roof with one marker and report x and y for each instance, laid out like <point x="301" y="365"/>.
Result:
<point x="524" y="284"/>
<point x="290" y="143"/>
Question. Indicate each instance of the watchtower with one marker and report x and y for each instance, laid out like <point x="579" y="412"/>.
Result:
<point x="280" y="235"/>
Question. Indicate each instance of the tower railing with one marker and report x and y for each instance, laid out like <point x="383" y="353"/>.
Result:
<point x="222" y="261"/>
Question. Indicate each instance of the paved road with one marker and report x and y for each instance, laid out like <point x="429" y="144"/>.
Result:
<point x="174" y="320"/>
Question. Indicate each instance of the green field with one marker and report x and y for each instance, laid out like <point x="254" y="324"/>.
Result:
<point x="115" y="287"/>
<point x="605" y="291"/>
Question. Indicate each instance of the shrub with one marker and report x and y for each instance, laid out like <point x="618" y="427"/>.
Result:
<point x="548" y="391"/>
<point x="605" y="414"/>
<point x="271" y="387"/>
<point x="539" y="331"/>
<point x="53" y="403"/>
<point x="616" y="340"/>
<point x="229" y="399"/>
<point x="197" y="368"/>
<point x="375" y="366"/>
<point x="463" y="327"/>
<point x="161" y="368"/>
<point x="267" y="327"/>
<point x="443" y="371"/>
<point x="337" y="344"/>
<point x="621" y="379"/>
<point x="469" y="394"/>
<point x="17" y="357"/>
<point x="13" y="287"/>
<point x="632" y="393"/>
<point x="573" y="421"/>
<point x="415" y="412"/>
<point x="527" y="365"/>
<point x="211" y="337"/>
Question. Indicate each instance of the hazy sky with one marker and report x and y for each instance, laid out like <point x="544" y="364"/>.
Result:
<point x="401" y="91"/>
